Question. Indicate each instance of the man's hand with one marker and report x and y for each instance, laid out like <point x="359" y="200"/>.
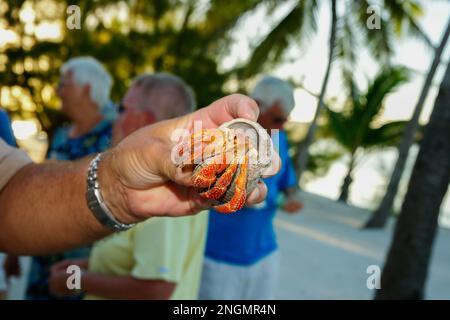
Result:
<point x="139" y="179"/>
<point x="57" y="283"/>
<point x="292" y="206"/>
<point x="291" y="203"/>
<point x="58" y="277"/>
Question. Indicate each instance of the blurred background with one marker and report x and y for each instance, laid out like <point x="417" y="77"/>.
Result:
<point x="344" y="154"/>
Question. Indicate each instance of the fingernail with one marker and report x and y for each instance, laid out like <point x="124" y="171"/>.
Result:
<point x="255" y="194"/>
<point x="255" y="113"/>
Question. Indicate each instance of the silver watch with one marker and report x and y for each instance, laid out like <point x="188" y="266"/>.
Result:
<point x="95" y="200"/>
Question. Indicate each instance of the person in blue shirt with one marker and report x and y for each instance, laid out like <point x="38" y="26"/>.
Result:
<point x="7" y="135"/>
<point x="241" y="257"/>
<point x="6" y="132"/>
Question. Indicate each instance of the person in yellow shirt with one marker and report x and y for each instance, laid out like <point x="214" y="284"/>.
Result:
<point x="160" y="258"/>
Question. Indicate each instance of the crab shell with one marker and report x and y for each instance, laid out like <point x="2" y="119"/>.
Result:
<point x="227" y="185"/>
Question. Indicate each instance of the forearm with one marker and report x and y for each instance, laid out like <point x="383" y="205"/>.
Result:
<point x="43" y="209"/>
<point x="125" y="287"/>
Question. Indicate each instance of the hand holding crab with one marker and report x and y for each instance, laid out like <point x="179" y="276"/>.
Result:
<point x="227" y="162"/>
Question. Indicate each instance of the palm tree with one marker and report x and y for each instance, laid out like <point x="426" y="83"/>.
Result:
<point x="380" y="216"/>
<point x="303" y="152"/>
<point x="406" y="266"/>
<point x="347" y="33"/>
<point x="355" y="127"/>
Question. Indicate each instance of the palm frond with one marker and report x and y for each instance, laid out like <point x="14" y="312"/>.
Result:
<point x="378" y="40"/>
<point x="353" y="90"/>
<point x="353" y="128"/>
<point x="385" y="82"/>
<point x="223" y="15"/>
<point x="347" y="44"/>
<point x="300" y="20"/>
<point x="404" y="15"/>
<point x="386" y="135"/>
<point x="340" y="127"/>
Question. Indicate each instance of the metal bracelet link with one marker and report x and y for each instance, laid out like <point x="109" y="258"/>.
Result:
<point x="95" y="200"/>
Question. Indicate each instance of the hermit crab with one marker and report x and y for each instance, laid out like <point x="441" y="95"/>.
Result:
<point x="227" y="162"/>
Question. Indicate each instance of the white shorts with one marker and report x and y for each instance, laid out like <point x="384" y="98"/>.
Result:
<point x="223" y="281"/>
<point x="3" y="284"/>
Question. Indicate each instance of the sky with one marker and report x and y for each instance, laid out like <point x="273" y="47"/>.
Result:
<point x="309" y="61"/>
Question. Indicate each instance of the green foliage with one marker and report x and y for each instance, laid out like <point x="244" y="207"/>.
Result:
<point x="397" y="17"/>
<point x="165" y="35"/>
<point x="357" y="125"/>
<point x="322" y="156"/>
<point x="301" y="20"/>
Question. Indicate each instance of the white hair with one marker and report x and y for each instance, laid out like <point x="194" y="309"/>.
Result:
<point x="175" y="92"/>
<point x="87" y="70"/>
<point x="271" y="90"/>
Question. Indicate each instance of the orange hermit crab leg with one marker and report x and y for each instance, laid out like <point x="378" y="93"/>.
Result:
<point x="221" y="184"/>
<point x="206" y="175"/>
<point x="224" y="181"/>
<point x="240" y="193"/>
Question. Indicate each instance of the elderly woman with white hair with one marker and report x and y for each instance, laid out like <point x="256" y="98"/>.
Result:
<point x="241" y="256"/>
<point x="84" y="89"/>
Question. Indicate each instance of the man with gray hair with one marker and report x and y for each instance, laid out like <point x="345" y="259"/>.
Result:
<point x="242" y="258"/>
<point x="161" y="258"/>
<point x="153" y="97"/>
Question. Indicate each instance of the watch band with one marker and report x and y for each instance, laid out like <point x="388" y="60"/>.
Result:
<point x="95" y="200"/>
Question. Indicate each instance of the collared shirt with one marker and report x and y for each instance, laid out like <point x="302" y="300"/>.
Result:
<point x="5" y="129"/>
<point x="246" y="236"/>
<point x="64" y="147"/>
<point x="161" y="248"/>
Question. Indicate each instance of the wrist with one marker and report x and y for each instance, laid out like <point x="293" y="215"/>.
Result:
<point x="113" y="191"/>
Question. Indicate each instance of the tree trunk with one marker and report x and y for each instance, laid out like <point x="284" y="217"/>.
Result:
<point x="303" y="149"/>
<point x="406" y="267"/>
<point x="382" y="213"/>
<point x="345" y="189"/>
